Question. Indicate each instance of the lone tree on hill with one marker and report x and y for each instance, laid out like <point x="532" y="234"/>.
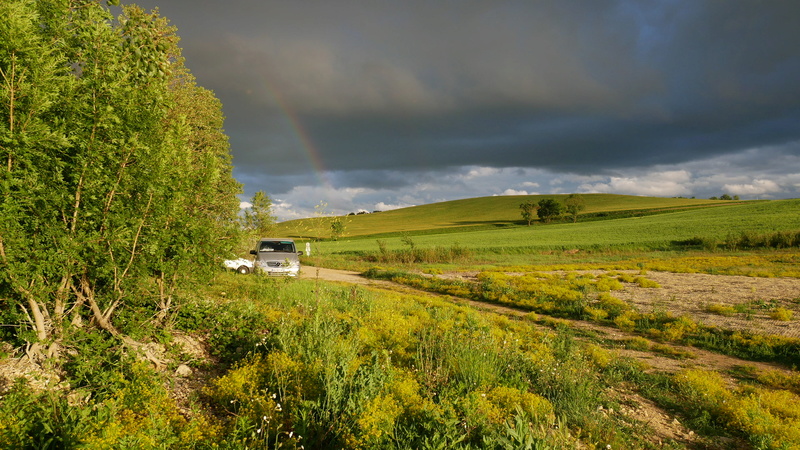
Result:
<point x="259" y="217"/>
<point x="337" y="228"/>
<point x="528" y="209"/>
<point x="574" y="204"/>
<point x="549" y="209"/>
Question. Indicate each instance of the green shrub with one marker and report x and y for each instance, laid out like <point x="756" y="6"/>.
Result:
<point x="139" y="413"/>
<point x="92" y="360"/>
<point x="41" y="419"/>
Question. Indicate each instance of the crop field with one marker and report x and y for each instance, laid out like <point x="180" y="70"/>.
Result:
<point x="653" y="328"/>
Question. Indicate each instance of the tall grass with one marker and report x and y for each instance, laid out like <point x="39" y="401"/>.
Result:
<point x="343" y="367"/>
<point x="433" y="255"/>
<point x="350" y="370"/>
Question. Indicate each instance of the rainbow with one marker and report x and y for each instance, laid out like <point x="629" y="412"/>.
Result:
<point x="304" y="138"/>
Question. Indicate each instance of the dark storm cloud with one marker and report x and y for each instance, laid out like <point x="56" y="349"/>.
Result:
<point x="567" y="86"/>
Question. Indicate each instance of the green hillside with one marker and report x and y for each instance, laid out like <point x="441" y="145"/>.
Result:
<point x="654" y="231"/>
<point x="479" y="212"/>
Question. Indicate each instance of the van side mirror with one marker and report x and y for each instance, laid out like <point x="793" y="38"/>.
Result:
<point x="299" y="253"/>
<point x="253" y="252"/>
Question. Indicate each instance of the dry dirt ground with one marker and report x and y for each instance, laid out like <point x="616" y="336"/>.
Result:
<point x="679" y="294"/>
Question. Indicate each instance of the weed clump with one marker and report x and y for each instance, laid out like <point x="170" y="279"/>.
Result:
<point x="722" y="310"/>
<point x="770" y="418"/>
<point x="782" y="314"/>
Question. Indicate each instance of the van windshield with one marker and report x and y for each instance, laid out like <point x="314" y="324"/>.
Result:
<point x="276" y="246"/>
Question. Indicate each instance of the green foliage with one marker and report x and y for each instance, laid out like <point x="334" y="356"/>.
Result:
<point x="139" y="413"/>
<point x="770" y="418"/>
<point x="93" y="359"/>
<point x="528" y="209"/>
<point x="549" y="209"/>
<point x="406" y="239"/>
<point x="573" y="205"/>
<point x="112" y="194"/>
<point x="412" y="255"/>
<point x="35" y="419"/>
<point x="745" y="240"/>
<point x="354" y="370"/>
<point x="337" y="228"/>
<point x="258" y="218"/>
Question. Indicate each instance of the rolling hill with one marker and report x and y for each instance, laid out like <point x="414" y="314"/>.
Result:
<point x="483" y="213"/>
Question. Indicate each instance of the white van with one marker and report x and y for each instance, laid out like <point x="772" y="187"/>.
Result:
<point x="276" y="257"/>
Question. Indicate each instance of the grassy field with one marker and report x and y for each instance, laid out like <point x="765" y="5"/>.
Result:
<point x="653" y="232"/>
<point x="484" y="212"/>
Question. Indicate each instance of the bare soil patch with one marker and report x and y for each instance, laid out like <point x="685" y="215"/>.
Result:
<point x="692" y="293"/>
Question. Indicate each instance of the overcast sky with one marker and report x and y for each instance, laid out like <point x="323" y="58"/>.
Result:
<point x="372" y="105"/>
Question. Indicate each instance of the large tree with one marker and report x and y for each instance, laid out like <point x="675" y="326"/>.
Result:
<point x="528" y="210"/>
<point x="116" y="175"/>
<point x="259" y="218"/>
<point x="574" y="204"/>
<point x="549" y="209"/>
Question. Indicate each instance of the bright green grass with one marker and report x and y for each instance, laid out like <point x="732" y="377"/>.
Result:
<point x="649" y="232"/>
<point x="484" y="212"/>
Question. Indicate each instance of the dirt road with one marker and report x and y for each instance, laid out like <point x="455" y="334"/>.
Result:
<point x="344" y="276"/>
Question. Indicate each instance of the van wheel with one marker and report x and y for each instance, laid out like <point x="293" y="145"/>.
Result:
<point x="244" y="270"/>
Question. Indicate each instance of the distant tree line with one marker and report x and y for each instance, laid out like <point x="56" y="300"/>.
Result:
<point x="725" y="197"/>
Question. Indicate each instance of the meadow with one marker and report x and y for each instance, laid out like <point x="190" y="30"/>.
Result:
<point x="498" y="336"/>
<point x="658" y="229"/>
